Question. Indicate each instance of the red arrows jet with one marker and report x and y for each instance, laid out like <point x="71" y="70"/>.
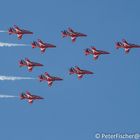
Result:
<point x="29" y="64"/>
<point x="49" y="79"/>
<point x="96" y="53"/>
<point x="42" y="45"/>
<point x="27" y="95"/>
<point x="71" y="33"/>
<point x="18" y="31"/>
<point x="79" y="72"/>
<point x="127" y="46"/>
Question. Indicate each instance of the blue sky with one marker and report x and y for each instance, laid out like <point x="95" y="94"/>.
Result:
<point x="74" y="109"/>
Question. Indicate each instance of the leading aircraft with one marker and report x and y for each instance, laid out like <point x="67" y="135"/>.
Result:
<point x="72" y="34"/>
<point x="126" y="46"/>
<point x="42" y="45"/>
<point x="50" y="79"/>
<point x="29" y="64"/>
<point x="96" y="53"/>
<point x="19" y="32"/>
<point x="80" y="72"/>
<point x="27" y="95"/>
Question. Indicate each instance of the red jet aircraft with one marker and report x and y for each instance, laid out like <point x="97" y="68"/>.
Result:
<point x="79" y="72"/>
<point x="27" y="95"/>
<point x="18" y="31"/>
<point x="29" y="64"/>
<point x="71" y="33"/>
<point x="42" y="45"/>
<point x="49" y="79"/>
<point x="127" y="46"/>
<point x="96" y="53"/>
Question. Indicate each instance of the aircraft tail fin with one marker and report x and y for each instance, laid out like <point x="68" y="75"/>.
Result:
<point x="41" y="77"/>
<point x="64" y="33"/>
<point x="10" y="30"/>
<point x="118" y="45"/>
<point x="34" y="44"/>
<point x="22" y="63"/>
<point x="22" y="96"/>
<point x="71" y="70"/>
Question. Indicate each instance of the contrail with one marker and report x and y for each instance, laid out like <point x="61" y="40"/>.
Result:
<point x="13" y="78"/>
<point x="11" y="44"/>
<point x="2" y="31"/>
<point x="8" y="96"/>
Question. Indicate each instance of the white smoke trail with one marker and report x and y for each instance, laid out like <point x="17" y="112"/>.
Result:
<point x="8" y="96"/>
<point x="2" y="31"/>
<point x="11" y="44"/>
<point x="12" y="78"/>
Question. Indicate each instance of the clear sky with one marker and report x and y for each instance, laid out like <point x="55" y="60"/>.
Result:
<point x="73" y="109"/>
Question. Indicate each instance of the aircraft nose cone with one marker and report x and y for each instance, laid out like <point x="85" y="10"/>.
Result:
<point x="90" y="72"/>
<point x="30" y="32"/>
<point x="40" y="64"/>
<point x="60" y="79"/>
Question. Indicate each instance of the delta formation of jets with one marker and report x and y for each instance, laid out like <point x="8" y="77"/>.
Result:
<point x="73" y="70"/>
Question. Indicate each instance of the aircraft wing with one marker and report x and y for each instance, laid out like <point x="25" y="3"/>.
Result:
<point x="71" y="30"/>
<point x="77" y="68"/>
<point x="19" y="36"/>
<point x="42" y="50"/>
<point x="73" y="39"/>
<point x="30" y="68"/>
<point x="127" y="50"/>
<point x="50" y="83"/>
<point x="40" y="42"/>
<point x="17" y="29"/>
<point x="30" y="101"/>
<point x="28" y="94"/>
<point x="80" y="76"/>
<point x="96" y="56"/>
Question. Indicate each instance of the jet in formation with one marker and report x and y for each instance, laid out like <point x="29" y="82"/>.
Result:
<point x="42" y="45"/>
<point x="96" y="53"/>
<point x="50" y="79"/>
<point x="80" y="72"/>
<point x="72" y="34"/>
<point x="28" y="96"/>
<point x="126" y="46"/>
<point x="19" y="32"/>
<point x="29" y="64"/>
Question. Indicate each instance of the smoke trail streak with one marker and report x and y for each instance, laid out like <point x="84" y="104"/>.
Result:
<point x="8" y="96"/>
<point x="2" y="31"/>
<point x="11" y="44"/>
<point x="12" y="78"/>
